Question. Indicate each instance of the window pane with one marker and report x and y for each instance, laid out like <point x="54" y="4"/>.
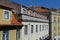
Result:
<point x="35" y="14"/>
<point x="36" y="28"/>
<point x="31" y="28"/>
<point x="30" y="12"/>
<point x="40" y="27"/>
<point x="18" y="34"/>
<point x="6" y="15"/>
<point x="25" y="29"/>
<point x="24" y="11"/>
<point x="5" y="35"/>
<point x="36" y="39"/>
<point x="54" y="19"/>
<point x="40" y="39"/>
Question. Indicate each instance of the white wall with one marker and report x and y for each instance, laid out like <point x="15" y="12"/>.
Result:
<point x="35" y="35"/>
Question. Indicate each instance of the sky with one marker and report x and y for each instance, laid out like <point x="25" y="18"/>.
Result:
<point x="41" y="3"/>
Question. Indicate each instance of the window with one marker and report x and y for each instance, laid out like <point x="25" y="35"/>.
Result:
<point x="24" y="11"/>
<point x="40" y="27"/>
<point x="54" y="34"/>
<point x="30" y="13"/>
<point x="35" y="14"/>
<point x="58" y="23"/>
<point x="58" y="27"/>
<point x="38" y="14"/>
<point x="58" y="38"/>
<point x="36" y="39"/>
<point x="54" y="19"/>
<point x="54" y="38"/>
<point x="32" y="29"/>
<point x="45" y="27"/>
<point x="5" y="35"/>
<point x="58" y="20"/>
<point x="59" y="33"/>
<point x="18" y="34"/>
<point x="55" y="27"/>
<point x="6" y="15"/>
<point x="55" y="23"/>
<point x="36" y="28"/>
<point x="40" y="39"/>
<point x="25" y="29"/>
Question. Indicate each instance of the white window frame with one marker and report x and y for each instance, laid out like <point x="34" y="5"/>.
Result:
<point x="35" y="14"/>
<point x="4" y="14"/>
<point x="22" y="11"/>
<point x="30" y="13"/>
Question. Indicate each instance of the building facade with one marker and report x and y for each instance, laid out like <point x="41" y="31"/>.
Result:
<point x="18" y="22"/>
<point x="35" y="25"/>
<point x="54" y="25"/>
<point x="54" y="21"/>
<point x="9" y="25"/>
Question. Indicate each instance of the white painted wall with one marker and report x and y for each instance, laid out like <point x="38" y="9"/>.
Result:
<point x="35" y="35"/>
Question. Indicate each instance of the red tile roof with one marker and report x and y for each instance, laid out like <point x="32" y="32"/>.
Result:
<point x="39" y="9"/>
<point x="42" y="10"/>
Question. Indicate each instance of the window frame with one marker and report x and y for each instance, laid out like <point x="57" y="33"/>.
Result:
<point x="30" y="12"/>
<point x="32" y="28"/>
<point x="40" y="27"/>
<point x="25" y="29"/>
<point x="17" y="32"/>
<point x="55" y="20"/>
<point x="23" y="11"/>
<point x="4" y="14"/>
<point x="36" y="28"/>
<point x="40" y="39"/>
<point x="5" y="34"/>
<point x="35" y="14"/>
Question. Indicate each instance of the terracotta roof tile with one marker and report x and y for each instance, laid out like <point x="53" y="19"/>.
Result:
<point x="42" y="10"/>
<point x="39" y="9"/>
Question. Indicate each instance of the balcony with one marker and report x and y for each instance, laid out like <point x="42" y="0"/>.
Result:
<point x="31" y="18"/>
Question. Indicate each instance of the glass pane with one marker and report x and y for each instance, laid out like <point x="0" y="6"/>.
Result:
<point x="36" y="28"/>
<point x="5" y="35"/>
<point x="31" y="28"/>
<point x="6" y="15"/>
<point x="18" y="34"/>
<point x="24" y="11"/>
<point x="25" y="29"/>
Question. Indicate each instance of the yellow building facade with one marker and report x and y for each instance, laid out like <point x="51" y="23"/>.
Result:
<point x="5" y="21"/>
<point x="55" y="25"/>
<point x="9" y="25"/>
<point x="11" y="35"/>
